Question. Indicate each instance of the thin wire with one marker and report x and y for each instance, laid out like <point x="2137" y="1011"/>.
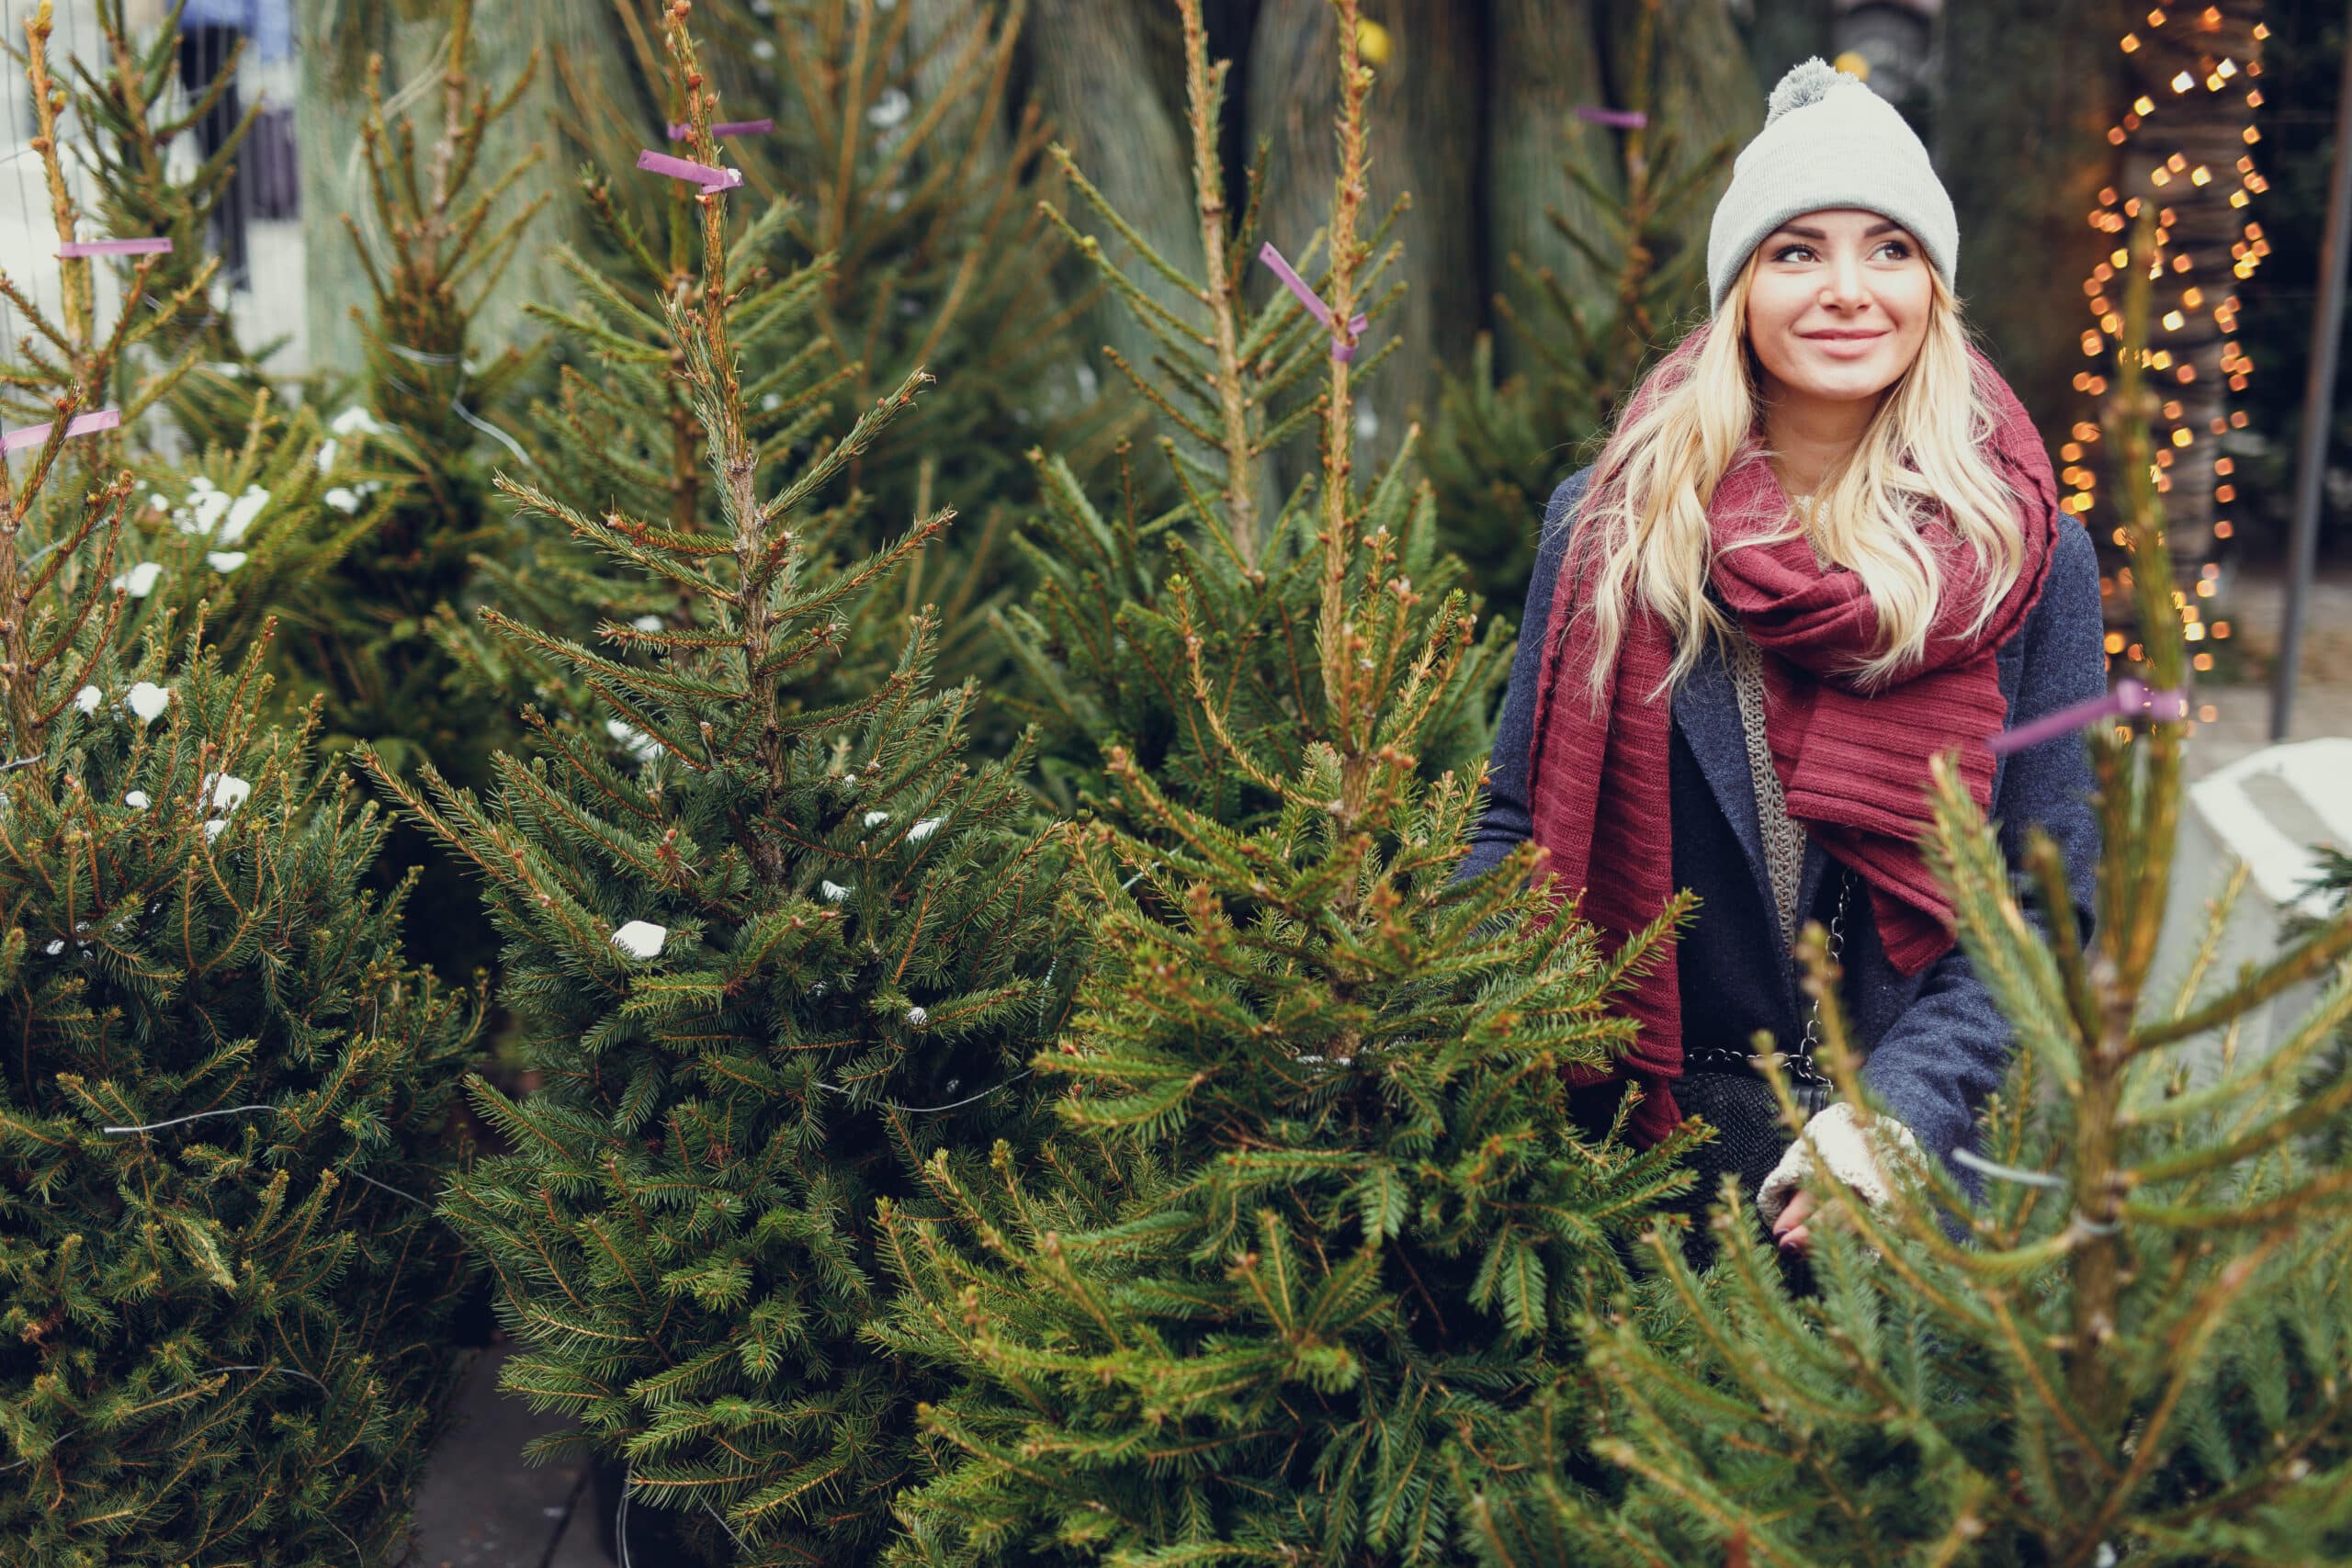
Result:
<point x="489" y="429"/>
<point x="13" y="764"/>
<point x="1977" y="1162"/>
<point x="241" y="1110"/>
<point x="198" y="1116"/>
<point x="951" y="1105"/>
<point x="620" y="1520"/>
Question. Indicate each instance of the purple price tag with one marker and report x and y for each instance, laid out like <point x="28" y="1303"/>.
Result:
<point x="703" y="174"/>
<point x="84" y="424"/>
<point x="1343" y="344"/>
<point x="78" y="248"/>
<point x="2129" y="699"/>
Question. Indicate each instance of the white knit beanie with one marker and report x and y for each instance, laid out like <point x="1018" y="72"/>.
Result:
<point x="1827" y="141"/>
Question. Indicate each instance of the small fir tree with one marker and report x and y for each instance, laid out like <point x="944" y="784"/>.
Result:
<point x="123" y="101"/>
<point x="764" y="958"/>
<point x="2135" y="1349"/>
<point x="222" y="1284"/>
<point x="897" y="146"/>
<point x="1216" y="692"/>
<point x="1316" y="1220"/>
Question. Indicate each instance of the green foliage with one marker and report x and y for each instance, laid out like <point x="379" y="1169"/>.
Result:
<point x="221" y="1289"/>
<point x="1190" y="635"/>
<point x="1316" y="1223"/>
<point x="1498" y="451"/>
<point x="900" y="154"/>
<point x="2132" y="1350"/>
<point x="766" y="953"/>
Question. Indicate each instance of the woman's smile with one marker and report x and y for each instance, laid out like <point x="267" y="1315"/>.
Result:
<point x="1847" y="345"/>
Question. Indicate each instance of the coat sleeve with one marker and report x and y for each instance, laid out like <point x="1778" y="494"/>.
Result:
<point x="1948" y="1051"/>
<point x="1506" y="822"/>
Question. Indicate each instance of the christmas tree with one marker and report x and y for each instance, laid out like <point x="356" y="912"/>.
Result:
<point x="891" y="139"/>
<point x="1216" y="692"/>
<point x="1498" y="451"/>
<point x="221" y="1284"/>
<point x="766" y="953"/>
<point x="2134" y="1347"/>
<point x="1316" y="1223"/>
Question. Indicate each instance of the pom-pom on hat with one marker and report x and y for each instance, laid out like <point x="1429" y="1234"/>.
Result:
<point x="1827" y="141"/>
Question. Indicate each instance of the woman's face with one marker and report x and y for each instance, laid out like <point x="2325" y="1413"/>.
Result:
<point x="1837" y="306"/>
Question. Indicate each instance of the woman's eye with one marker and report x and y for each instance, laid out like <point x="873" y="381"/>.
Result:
<point x="1902" y="250"/>
<point x="1785" y="252"/>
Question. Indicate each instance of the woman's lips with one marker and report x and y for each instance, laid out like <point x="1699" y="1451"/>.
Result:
<point x="1843" y="347"/>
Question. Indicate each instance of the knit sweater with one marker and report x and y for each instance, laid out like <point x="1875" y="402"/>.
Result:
<point x="1936" y="1043"/>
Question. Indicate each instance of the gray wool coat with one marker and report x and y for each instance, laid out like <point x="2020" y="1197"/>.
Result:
<point x="1937" y="1044"/>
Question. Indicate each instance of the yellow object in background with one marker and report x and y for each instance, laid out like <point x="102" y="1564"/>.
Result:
<point x="1854" y="64"/>
<point x="1372" y="41"/>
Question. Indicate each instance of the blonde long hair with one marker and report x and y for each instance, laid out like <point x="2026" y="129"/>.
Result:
<point x="1924" y="452"/>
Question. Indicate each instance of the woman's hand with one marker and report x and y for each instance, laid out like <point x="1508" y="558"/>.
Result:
<point x="1790" y="1230"/>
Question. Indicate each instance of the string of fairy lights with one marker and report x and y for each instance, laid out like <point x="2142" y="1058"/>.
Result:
<point x="2214" y="74"/>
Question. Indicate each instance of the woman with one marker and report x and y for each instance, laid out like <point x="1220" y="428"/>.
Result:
<point x="1821" y="545"/>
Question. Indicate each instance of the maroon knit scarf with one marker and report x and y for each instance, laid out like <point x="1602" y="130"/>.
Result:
<point x="1853" y="763"/>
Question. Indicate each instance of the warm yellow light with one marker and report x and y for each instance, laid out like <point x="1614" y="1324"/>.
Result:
<point x="2182" y="437"/>
<point x="2237" y="419"/>
<point x="2091" y="342"/>
<point x="1371" y="43"/>
<point x="2223" y="530"/>
<point x="2226" y="493"/>
<point x="2115" y="639"/>
<point x="2121" y="258"/>
<point x="2175" y="164"/>
<point x="2204" y="588"/>
<point x="2161" y="359"/>
<point x="2183" y="81"/>
<point x="2227" y="68"/>
<point x="2115" y="135"/>
<point x="2159" y="177"/>
<point x="2237" y="199"/>
<point x="2204" y="661"/>
<point x="2225" y="466"/>
<point x="2175" y="321"/>
<point x="2192" y="297"/>
<point x="2200" y="176"/>
<point x="1854" y="64"/>
<point x="2251" y="134"/>
<point x="2130" y="43"/>
<point x="2253" y="97"/>
<point x="2143" y="105"/>
<point x="2192" y="632"/>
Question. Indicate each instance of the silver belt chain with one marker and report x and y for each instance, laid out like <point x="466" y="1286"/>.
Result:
<point x="1798" y="1067"/>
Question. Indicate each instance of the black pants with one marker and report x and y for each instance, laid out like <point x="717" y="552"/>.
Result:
<point x="204" y="52"/>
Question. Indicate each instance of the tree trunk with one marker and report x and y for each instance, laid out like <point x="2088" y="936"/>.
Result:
<point x="2029" y="89"/>
<point x="1426" y="125"/>
<point x="1702" y="91"/>
<point x="1547" y="61"/>
<point x="1108" y="74"/>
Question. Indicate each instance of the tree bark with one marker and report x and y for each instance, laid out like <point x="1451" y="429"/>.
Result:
<point x="1547" y="60"/>
<point x="2029" y="89"/>
<point x="1426" y="126"/>
<point x="1108" y="74"/>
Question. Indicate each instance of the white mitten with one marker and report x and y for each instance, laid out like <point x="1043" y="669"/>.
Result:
<point x="1835" y="1138"/>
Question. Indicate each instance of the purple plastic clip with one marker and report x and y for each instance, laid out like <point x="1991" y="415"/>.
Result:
<point x="1343" y="344"/>
<point x="74" y="249"/>
<point x="82" y="424"/>
<point x="703" y="174"/>
<point x="1623" y="119"/>
<point x="2130" y="699"/>
<point x="680" y="130"/>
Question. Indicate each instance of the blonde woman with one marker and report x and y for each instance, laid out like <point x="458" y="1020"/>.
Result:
<point x="1820" y="545"/>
